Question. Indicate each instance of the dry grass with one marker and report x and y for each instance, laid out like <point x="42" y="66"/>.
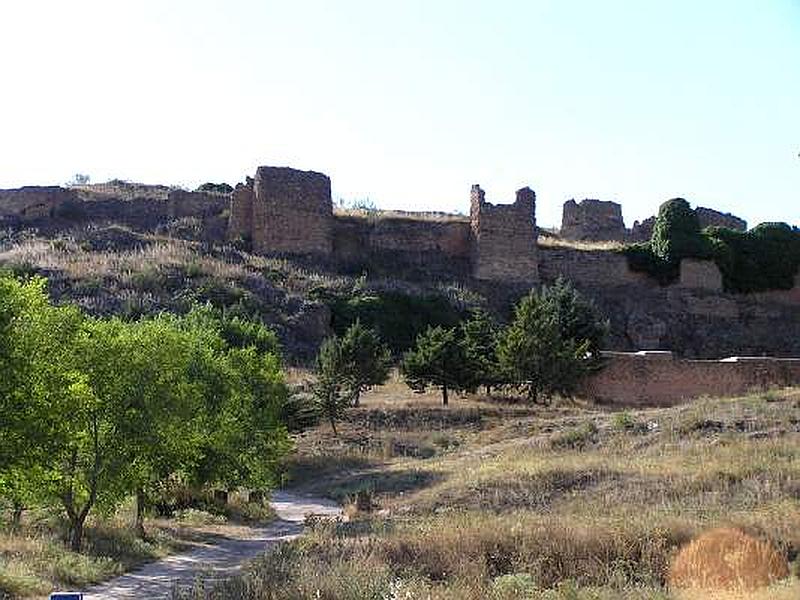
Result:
<point x="548" y="241"/>
<point x="727" y="559"/>
<point x="512" y="510"/>
<point x="378" y="215"/>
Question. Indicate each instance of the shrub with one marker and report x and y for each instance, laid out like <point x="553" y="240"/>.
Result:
<point x="676" y="233"/>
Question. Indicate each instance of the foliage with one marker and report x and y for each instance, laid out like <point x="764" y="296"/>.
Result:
<point x="577" y="317"/>
<point x="398" y="318"/>
<point x="365" y="360"/>
<point x="329" y="385"/>
<point x="215" y="188"/>
<point x="676" y="233"/>
<point x="479" y="335"/>
<point x="765" y="258"/>
<point x="98" y="409"/>
<point x="542" y="350"/>
<point x="437" y="360"/>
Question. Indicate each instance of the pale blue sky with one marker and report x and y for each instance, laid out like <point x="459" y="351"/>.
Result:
<point x="410" y="102"/>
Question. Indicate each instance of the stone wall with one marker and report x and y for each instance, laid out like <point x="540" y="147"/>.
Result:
<point x="592" y="220"/>
<point x="504" y="237"/>
<point x="291" y="212"/>
<point x="709" y="217"/>
<point x="660" y="379"/>
<point x="376" y="243"/>
<point x="240" y="223"/>
<point x="700" y="274"/>
<point x="588" y="267"/>
<point x="200" y="205"/>
<point x="35" y="202"/>
<point x="642" y="232"/>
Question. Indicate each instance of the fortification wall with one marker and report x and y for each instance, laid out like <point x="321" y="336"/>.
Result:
<point x="386" y="243"/>
<point x="34" y="202"/>
<point x="592" y="220"/>
<point x="646" y="379"/>
<point x="504" y="238"/>
<point x="292" y="212"/>
<point x="240" y="223"/>
<point x="588" y="267"/>
<point x="201" y="205"/>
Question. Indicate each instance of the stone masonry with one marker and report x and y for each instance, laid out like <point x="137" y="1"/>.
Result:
<point x="284" y="211"/>
<point x="592" y="220"/>
<point x="659" y="378"/>
<point x="504" y="238"/>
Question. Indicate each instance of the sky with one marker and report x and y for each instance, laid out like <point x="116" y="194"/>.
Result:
<point x="410" y="102"/>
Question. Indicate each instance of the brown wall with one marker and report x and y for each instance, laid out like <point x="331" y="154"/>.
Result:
<point x="588" y="267"/>
<point x="386" y="242"/>
<point x="292" y="212"/>
<point x="657" y="379"/>
<point x="504" y="238"/>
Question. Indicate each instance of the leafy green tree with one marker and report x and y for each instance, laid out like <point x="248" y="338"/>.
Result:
<point x="437" y="360"/>
<point x="366" y="360"/>
<point x="539" y="356"/>
<point x="328" y="387"/>
<point x="577" y="316"/>
<point x="479" y="335"/>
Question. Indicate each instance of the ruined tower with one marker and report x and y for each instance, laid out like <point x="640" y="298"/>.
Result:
<point x="504" y="238"/>
<point x="284" y="211"/>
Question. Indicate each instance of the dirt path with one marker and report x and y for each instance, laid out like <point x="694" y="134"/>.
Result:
<point x="213" y="561"/>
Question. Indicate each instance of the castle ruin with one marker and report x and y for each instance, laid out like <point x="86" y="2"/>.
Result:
<point x="288" y="212"/>
<point x="495" y="250"/>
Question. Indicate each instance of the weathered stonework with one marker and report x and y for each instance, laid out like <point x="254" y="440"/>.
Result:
<point x="592" y="220"/>
<point x="201" y="205"/>
<point x="504" y="238"/>
<point x="34" y="202"/>
<point x="700" y="274"/>
<point x="240" y="224"/>
<point x="284" y="211"/>
<point x="642" y="232"/>
<point x="709" y="217"/>
<point x="662" y="380"/>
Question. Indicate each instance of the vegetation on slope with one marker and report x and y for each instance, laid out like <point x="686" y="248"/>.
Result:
<point x="489" y="499"/>
<point x="765" y="258"/>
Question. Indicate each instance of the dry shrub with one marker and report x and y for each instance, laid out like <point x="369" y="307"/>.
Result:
<point x="727" y="559"/>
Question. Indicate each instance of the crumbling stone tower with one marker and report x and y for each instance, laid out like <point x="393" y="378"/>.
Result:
<point x="594" y="220"/>
<point x="504" y="238"/>
<point x="284" y="211"/>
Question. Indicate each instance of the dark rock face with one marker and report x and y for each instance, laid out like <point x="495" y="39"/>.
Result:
<point x="592" y="220"/>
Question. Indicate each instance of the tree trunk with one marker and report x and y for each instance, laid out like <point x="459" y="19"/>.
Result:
<point x="357" y="398"/>
<point x="16" y="516"/>
<point x="138" y="517"/>
<point x="333" y="426"/>
<point x="444" y="395"/>
<point x="76" y="532"/>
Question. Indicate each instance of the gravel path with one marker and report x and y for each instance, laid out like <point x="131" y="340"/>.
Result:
<point x="156" y="579"/>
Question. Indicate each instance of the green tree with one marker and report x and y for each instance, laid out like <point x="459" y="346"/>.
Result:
<point x="437" y="360"/>
<point x="539" y="356"/>
<point x="366" y="360"/>
<point x="577" y="316"/>
<point x="328" y="387"/>
<point x="479" y="335"/>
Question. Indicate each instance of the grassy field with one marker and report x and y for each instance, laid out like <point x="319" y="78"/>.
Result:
<point x="492" y="499"/>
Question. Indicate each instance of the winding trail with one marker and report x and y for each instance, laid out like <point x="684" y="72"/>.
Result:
<point x="217" y="560"/>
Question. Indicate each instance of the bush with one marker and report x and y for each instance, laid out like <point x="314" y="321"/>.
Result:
<point x="215" y="188"/>
<point x="765" y="258"/>
<point x="676" y="233"/>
